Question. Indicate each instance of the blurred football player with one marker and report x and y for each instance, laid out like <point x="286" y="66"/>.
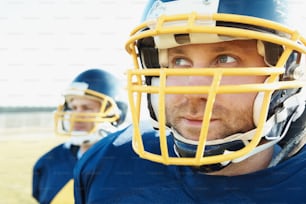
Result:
<point x="92" y="108"/>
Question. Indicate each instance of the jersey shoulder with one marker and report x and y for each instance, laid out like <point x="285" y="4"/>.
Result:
<point x="55" y="155"/>
<point x="116" y="145"/>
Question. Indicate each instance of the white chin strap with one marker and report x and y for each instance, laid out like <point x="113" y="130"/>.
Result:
<point x="82" y="137"/>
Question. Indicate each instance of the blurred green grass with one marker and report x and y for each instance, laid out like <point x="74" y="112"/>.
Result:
<point x="19" y="150"/>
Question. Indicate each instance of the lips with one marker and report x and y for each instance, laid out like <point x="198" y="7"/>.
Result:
<point x="198" y="119"/>
<point x="193" y="121"/>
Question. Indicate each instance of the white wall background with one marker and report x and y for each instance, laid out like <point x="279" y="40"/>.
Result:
<point x="44" y="44"/>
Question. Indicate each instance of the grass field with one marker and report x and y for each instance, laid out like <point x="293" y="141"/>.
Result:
<point x="20" y="148"/>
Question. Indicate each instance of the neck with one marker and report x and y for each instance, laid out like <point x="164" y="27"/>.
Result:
<point x="84" y="147"/>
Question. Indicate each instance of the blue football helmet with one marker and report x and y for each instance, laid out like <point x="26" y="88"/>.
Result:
<point x="98" y="85"/>
<point x="279" y="108"/>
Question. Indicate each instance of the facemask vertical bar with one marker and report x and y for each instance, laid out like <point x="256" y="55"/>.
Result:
<point x="161" y="115"/>
<point x="207" y="115"/>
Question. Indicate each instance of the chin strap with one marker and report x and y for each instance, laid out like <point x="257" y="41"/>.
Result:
<point x="187" y="150"/>
<point x="84" y="137"/>
<point x="80" y="137"/>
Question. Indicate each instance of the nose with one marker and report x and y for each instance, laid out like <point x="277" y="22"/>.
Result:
<point x="190" y="80"/>
<point x="199" y="93"/>
<point x="79" y="111"/>
<point x="198" y="80"/>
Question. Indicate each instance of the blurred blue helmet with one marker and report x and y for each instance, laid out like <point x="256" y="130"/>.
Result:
<point x="101" y="86"/>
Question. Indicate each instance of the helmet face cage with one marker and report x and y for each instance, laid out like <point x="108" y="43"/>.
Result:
<point x="283" y="72"/>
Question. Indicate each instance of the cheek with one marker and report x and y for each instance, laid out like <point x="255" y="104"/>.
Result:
<point x="242" y="99"/>
<point x="173" y="104"/>
<point x="242" y="102"/>
<point x="172" y="81"/>
<point x="192" y="80"/>
<point x="172" y="99"/>
<point x="239" y="100"/>
<point x="243" y="80"/>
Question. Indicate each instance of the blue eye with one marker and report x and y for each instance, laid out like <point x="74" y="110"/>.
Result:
<point x="182" y="62"/>
<point x="226" y="59"/>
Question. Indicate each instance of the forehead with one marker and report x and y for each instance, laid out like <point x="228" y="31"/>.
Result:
<point x="82" y="100"/>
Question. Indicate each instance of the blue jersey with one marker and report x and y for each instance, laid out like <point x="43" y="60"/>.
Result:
<point x="112" y="173"/>
<point x="52" y="172"/>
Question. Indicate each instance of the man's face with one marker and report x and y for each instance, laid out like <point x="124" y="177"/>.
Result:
<point x="84" y="105"/>
<point x="232" y="112"/>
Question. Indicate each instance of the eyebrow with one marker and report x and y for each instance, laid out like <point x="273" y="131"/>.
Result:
<point x="216" y="49"/>
<point x="180" y="50"/>
<point x="221" y="48"/>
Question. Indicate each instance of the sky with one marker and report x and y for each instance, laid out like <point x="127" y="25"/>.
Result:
<point x="44" y="44"/>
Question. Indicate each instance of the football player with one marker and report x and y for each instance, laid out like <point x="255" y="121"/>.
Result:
<point x="92" y="108"/>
